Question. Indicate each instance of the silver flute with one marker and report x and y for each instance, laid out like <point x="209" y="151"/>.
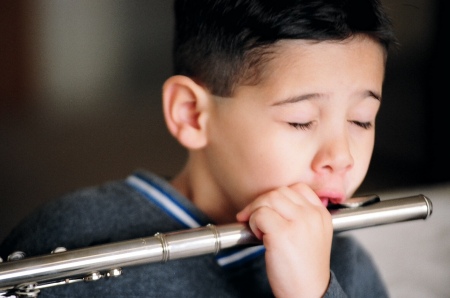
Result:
<point x="25" y="277"/>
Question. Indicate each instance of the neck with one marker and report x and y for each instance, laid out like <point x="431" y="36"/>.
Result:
<point x="198" y="186"/>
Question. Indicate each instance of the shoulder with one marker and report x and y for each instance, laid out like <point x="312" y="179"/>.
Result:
<point x="354" y="268"/>
<point x="95" y="215"/>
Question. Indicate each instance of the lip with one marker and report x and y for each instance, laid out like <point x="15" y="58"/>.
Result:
<point x="329" y="196"/>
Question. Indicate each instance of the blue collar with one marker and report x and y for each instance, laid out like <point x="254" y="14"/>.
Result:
<point x="157" y="193"/>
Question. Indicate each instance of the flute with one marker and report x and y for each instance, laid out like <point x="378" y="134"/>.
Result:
<point x="25" y="277"/>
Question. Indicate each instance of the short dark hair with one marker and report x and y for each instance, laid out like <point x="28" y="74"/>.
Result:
<point x="221" y="43"/>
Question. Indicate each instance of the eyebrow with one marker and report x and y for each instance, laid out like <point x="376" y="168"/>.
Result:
<point x="308" y="96"/>
<point x="298" y="98"/>
<point x="374" y="94"/>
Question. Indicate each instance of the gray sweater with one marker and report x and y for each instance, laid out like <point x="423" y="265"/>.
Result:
<point x="144" y="204"/>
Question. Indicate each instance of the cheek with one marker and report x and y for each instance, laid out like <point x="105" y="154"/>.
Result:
<point x="274" y="159"/>
<point x="252" y="159"/>
<point x="362" y="154"/>
<point x="262" y="155"/>
<point x="365" y="150"/>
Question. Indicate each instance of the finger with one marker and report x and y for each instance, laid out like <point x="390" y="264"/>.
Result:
<point x="282" y="200"/>
<point x="307" y="193"/>
<point x="265" y="221"/>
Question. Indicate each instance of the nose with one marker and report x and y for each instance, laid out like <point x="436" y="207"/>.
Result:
<point x="334" y="155"/>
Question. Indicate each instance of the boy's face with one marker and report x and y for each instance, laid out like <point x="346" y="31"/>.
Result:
<point x="311" y="119"/>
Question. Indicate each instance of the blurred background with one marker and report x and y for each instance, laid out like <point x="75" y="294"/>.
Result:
<point x="80" y="92"/>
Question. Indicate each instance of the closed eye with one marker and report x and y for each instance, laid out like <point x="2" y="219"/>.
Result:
<point x="301" y="126"/>
<point x="364" y="125"/>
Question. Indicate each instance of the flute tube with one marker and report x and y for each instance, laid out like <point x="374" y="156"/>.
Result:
<point x="383" y="212"/>
<point x="188" y="243"/>
<point x="158" y="248"/>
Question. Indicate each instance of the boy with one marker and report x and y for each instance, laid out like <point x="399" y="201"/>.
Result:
<point x="275" y="102"/>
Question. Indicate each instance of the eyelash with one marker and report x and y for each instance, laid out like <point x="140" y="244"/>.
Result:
<point x="306" y="126"/>
<point x="301" y="126"/>
<point x="364" y="125"/>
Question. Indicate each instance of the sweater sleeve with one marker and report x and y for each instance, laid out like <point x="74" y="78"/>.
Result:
<point x="334" y="288"/>
<point x="353" y="272"/>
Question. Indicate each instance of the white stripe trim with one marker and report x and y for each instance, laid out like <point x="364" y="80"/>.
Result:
<point x="164" y="201"/>
<point x="239" y="255"/>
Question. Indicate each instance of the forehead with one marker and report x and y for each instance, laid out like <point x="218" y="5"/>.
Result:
<point x="359" y="59"/>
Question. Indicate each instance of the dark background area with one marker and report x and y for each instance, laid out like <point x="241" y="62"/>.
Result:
<point x="80" y="92"/>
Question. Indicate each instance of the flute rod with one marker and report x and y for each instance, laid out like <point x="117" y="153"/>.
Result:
<point x="189" y="243"/>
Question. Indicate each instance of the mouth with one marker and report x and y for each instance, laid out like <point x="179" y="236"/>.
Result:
<point x="330" y="202"/>
<point x="330" y="197"/>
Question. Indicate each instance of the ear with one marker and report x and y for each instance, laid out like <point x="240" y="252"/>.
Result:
<point x="185" y="110"/>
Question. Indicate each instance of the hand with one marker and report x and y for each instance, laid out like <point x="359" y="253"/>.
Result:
<point x="297" y="231"/>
